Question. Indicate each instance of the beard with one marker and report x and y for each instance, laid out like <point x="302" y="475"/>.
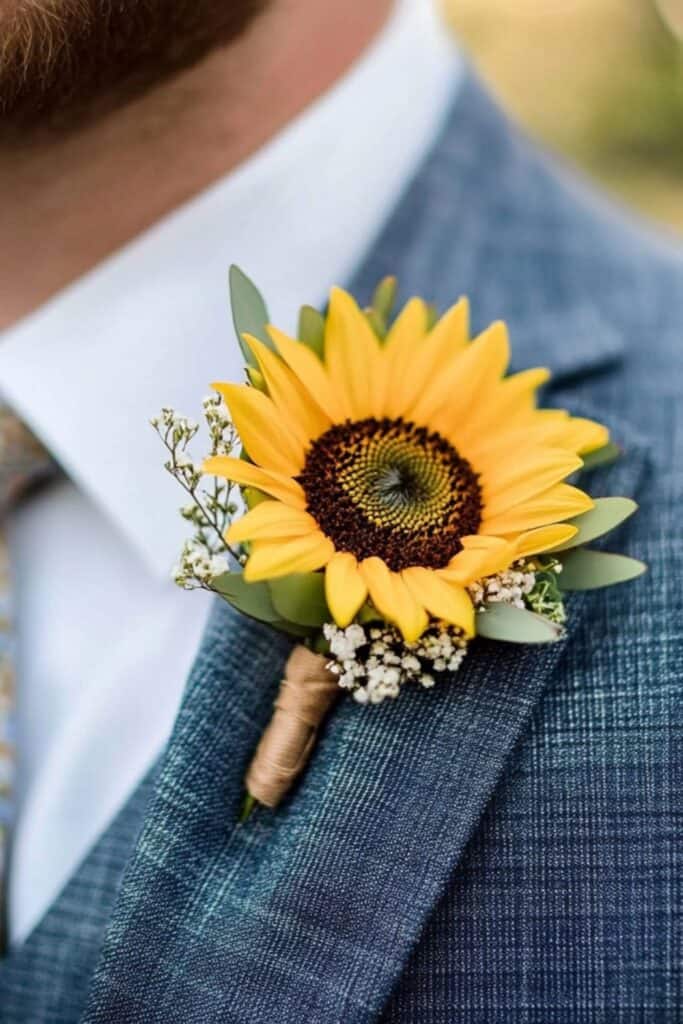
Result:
<point x="64" y="62"/>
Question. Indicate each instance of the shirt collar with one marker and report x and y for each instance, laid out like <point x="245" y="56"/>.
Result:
<point x="150" y="326"/>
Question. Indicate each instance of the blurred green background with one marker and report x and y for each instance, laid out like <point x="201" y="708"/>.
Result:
<point x="599" y="80"/>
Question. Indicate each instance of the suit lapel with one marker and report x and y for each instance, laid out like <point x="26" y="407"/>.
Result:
<point x="309" y="913"/>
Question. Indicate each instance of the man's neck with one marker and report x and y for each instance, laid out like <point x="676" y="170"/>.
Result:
<point x="66" y="206"/>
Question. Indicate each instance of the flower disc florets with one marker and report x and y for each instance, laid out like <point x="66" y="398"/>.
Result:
<point x="392" y="489"/>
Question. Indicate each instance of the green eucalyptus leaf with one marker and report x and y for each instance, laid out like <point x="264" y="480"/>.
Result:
<point x="292" y="628"/>
<point x="311" y="329"/>
<point x="249" y="313"/>
<point x="384" y="297"/>
<point x="606" y="515"/>
<point x="516" y="625"/>
<point x="300" y="598"/>
<point x="601" y="456"/>
<point x="252" y="599"/>
<point x="320" y="644"/>
<point x="432" y="315"/>
<point x="583" y="569"/>
<point x="256" y="379"/>
<point x="377" y="323"/>
<point x="368" y="613"/>
<point x="253" y="497"/>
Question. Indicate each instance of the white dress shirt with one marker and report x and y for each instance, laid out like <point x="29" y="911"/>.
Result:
<point x="105" y="638"/>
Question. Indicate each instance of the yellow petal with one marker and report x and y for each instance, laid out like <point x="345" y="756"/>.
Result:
<point x="500" y="442"/>
<point x="263" y="430"/>
<point x="453" y="328"/>
<point x="522" y="387"/>
<point x="443" y="600"/>
<point x="543" y="539"/>
<point x="406" y="358"/>
<point x="480" y="556"/>
<point x="311" y="373"/>
<point x="393" y="599"/>
<point x="248" y="475"/>
<point x="562" y="501"/>
<point x="269" y="559"/>
<point x="583" y="436"/>
<point x="271" y="520"/>
<point x="408" y="329"/>
<point x="295" y="403"/>
<point x="345" y="588"/>
<point x="508" y="399"/>
<point x="525" y="476"/>
<point x="447" y="339"/>
<point x="352" y="355"/>
<point x="458" y="386"/>
<point x="553" y="427"/>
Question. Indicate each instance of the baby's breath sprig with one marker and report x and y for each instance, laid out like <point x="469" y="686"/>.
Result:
<point x="545" y="597"/>
<point x="373" y="661"/>
<point x="528" y="583"/>
<point x="211" y="508"/>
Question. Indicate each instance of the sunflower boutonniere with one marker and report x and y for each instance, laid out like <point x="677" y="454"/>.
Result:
<point x="380" y="489"/>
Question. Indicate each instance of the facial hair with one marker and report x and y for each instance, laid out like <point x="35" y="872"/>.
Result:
<point x="63" y="62"/>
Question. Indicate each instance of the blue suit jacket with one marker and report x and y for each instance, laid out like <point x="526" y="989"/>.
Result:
<point x="502" y="849"/>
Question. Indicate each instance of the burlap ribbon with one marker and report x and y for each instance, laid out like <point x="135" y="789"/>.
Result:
<point x="306" y="694"/>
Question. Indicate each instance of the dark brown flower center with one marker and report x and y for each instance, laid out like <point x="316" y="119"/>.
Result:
<point x="392" y="489"/>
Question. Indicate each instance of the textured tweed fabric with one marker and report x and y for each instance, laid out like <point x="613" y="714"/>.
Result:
<point x="503" y="849"/>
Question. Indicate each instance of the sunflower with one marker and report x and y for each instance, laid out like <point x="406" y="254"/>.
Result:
<point x="405" y="468"/>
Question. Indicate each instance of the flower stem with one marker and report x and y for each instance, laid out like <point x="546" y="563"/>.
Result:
<point x="176" y="471"/>
<point x="249" y="804"/>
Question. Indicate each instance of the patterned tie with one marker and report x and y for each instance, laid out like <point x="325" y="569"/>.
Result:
<point x="23" y="463"/>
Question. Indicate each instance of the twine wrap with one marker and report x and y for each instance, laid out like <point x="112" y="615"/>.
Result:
<point x="306" y="694"/>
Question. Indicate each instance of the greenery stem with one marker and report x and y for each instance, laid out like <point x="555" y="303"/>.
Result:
<point x="249" y="804"/>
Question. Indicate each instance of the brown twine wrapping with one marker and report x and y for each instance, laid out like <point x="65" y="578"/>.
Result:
<point x="306" y="694"/>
